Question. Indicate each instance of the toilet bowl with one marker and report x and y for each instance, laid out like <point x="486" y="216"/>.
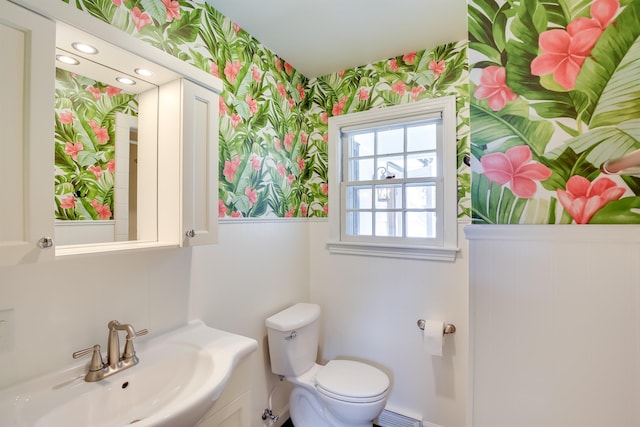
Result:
<point x="342" y="393"/>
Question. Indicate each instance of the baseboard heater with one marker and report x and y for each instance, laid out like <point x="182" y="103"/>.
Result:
<point x="393" y="419"/>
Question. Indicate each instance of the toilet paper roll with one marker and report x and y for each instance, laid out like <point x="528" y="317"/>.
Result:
<point x="433" y="337"/>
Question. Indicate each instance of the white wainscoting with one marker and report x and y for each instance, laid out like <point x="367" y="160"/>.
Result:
<point x="554" y="326"/>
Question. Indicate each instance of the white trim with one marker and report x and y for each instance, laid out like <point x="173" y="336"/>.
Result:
<point x="432" y="253"/>
<point x="625" y="233"/>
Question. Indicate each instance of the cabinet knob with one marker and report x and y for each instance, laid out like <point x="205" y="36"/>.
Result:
<point x="191" y="233"/>
<point x="46" y="242"/>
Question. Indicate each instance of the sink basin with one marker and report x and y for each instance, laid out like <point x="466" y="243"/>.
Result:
<point x="180" y="376"/>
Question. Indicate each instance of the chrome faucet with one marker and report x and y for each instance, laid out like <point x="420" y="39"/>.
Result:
<point x="98" y="369"/>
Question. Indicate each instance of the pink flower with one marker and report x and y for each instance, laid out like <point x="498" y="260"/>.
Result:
<point x="173" y="9"/>
<point x="252" y="195"/>
<point x="117" y="2"/>
<point x="300" y="91"/>
<point x="252" y="103"/>
<point x="325" y="138"/>
<point x="304" y="209"/>
<point x="112" y="91"/>
<point x="230" y="168"/>
<point x="300" y="162"/>
<point x="583" y="198"/>
<point x="493" y="85"/>
<point x="304" y="138"/>
<point x="288" y="140"/>
<point x="324" y="188"/>
<point x="103" y="211"/>
<point x="101" y="134"/>
<point x="515" y="167"/>
<point x="97" y="171"/>
<point x="68" y="202"/>
<point x="363" y="94"/>
<point x="287" y="67"/>
<point x="291" y="178"/>
<point x="255" y="163"/>
<point x="231" y="70"/>
<point x="213" y="69"/>
<point x="438" y="67"/>
<point x="255" y="73"/>
<point x="276" y="144"/>
<point x="399" y="87"/>
<point x="324" y="117"/>
<point x="236" y="28"/>
<point x="235" y="120"/>
<point x="111" y="165"/>
<point x="278" y="65"/>
<point x="140" y="19"/>
<point x="339" y="106"/>
<point x="289" y="213"/>
<point x="291" y="103"/>
<point x="409" y="58"/>
<point x="325" y="209"/>
<point x="236" y="214"/>
<point x="281" y="90"/>
<point x="66" y="118"/>
<point x="73" y="149"/>
<point x="416" y="91"/>
<point x="393" y="65"/>
<point x="95" y="92"/>
<point x="222" y="209"/>
<point x="222" y="106"/>
<point x="341" y="73"/>
<point x="281" y="170"/>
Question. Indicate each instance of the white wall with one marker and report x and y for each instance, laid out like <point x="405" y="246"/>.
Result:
<point x="555" y="318"/>
<point x="370" y="308"/>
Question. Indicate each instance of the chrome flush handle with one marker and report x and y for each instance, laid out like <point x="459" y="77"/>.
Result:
<point x="46" y="242"/>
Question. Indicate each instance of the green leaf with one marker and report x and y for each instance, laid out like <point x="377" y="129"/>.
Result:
<point x="492" y="203"/>
<point x="156" y="9"/>
<point x="623" y="211"/>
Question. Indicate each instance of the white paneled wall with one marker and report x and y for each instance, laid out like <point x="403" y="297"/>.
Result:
<point x="555" y="326"/>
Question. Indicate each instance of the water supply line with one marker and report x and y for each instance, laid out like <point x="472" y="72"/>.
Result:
<point x="268" y="412"/>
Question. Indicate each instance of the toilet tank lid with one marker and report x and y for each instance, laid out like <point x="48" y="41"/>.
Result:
<point x="294" y="317"/>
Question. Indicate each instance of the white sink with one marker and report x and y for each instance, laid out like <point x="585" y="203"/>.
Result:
<point x="180" y="376"/>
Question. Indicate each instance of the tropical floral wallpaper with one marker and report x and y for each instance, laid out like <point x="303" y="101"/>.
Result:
<point x="273" y="128"/>
<point x="84" y="145"/>
<point x="554" y="95"/>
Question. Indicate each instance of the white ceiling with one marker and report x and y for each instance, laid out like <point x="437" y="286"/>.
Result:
<point x="319" y="37"/>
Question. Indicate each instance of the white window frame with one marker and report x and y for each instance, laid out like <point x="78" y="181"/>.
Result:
<point x="444" y="246"/>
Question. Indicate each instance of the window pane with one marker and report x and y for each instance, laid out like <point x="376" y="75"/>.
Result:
<point x="361" y="145"/>
<point x="360" y="170"/>
<point x="388" y="196"/>
<point x="391" y="141"/>
<point x="421" y="224"/>
<point x="422" y="165"/>
<point x="393" y="166"/>
<point x="359" y="197"/>
<point x="421" y="196"/>
<point x="422" y="138"/>
<point x="389" y="224"/>
<point x="359" y="223"/>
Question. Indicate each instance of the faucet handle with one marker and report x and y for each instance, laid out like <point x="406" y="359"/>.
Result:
<point x="96" y="357"/>
<point x="142" y="332"/>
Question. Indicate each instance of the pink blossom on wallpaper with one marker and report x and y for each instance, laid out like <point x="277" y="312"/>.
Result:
<point x="117" y="2"/>
<point x="236" y="214"/>
<point x="73" y="149"/>
<point x="235" y="120"/>
<point x="236" y="28"/>
<point x="304" y="209"/>
<point x="300" y="91"/>
<point x="324" y="117"/>
<point x="493" y="85"/>
<point x="516" y="168"/>
<point x="255" y="163"/>
<point x="255" y="74"/>
<point x="94" y="125"/>
<point x="97" y="171"/>
<point x="363" y="94"/>
<point x="582" y="199"/>
<point x="304" y="138"/>
<point x="112" y="91"/>
<point x="292" y="103"/>
<point x="213" y="69"/>
<point x="278" y="65"/>
<point x="103" y="211"/>
<point x="399" y="87"/>
<point x="66" y="118"/>
<point x="300" y="162"/>
<point x="252" y="195"/>
<point x="438" y="67"/>
<point x="276" y="144"/>
<point x="173" y="9"/>
<point x="102" y="134"/>
<point x="230" y="168"/>
<point x="291" y="178"/>
<point x="222" y="106"/>
<point x="341" y="73"/>
<point x="68" y="202"/>
<point x="409" y="58"/>
<point x="393" y="65"/>
<point x="95" y="92"/>
<point x="289" y="213"/>
<point x="252" y="103"/>
<point x="140" y="19"/>
<point x="281" y="170"/>
<point x="222" y="208"/>
<point x="287" y="67"/>
<point x="604" y="11"/>
<point x="325" y="138"/>
<point x="288" y="141"/>
<point x="325" y="209"/>
<point x="281" y="90"/>
<point x="111" y="166"/>
<point x="416" y="91"/>
<point x="339" y="106"/>
<point x="324" y="188"/>
<point x="231" y="70"/>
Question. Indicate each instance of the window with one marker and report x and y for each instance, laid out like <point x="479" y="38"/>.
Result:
<point x="392" y="177"/>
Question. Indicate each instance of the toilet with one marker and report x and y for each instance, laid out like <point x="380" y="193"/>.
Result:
<point x="342" y="393"/>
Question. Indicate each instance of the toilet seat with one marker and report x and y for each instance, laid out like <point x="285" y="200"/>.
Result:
<point x="351" y="381"/>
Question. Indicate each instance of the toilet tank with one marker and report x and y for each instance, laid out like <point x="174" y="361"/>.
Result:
<point x="293" y="339"/>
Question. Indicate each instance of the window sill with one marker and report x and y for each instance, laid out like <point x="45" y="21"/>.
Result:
<point x="429" y="253"/>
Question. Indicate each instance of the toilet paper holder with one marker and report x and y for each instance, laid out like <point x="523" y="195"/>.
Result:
<point x="448" y="327"/>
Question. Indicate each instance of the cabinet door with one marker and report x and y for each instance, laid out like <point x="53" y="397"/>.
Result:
<point x="27" y="78"/>
<point x="199" y="165"/>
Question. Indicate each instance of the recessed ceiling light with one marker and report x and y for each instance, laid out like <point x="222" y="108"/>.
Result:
<point x="126" y="80"/>
<point x="84" y="48"/>
<point x="67" y="60"/>
<point x="143" y="72"/>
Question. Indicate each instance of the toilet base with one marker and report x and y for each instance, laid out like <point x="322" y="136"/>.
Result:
<point x="308" y="411"/>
